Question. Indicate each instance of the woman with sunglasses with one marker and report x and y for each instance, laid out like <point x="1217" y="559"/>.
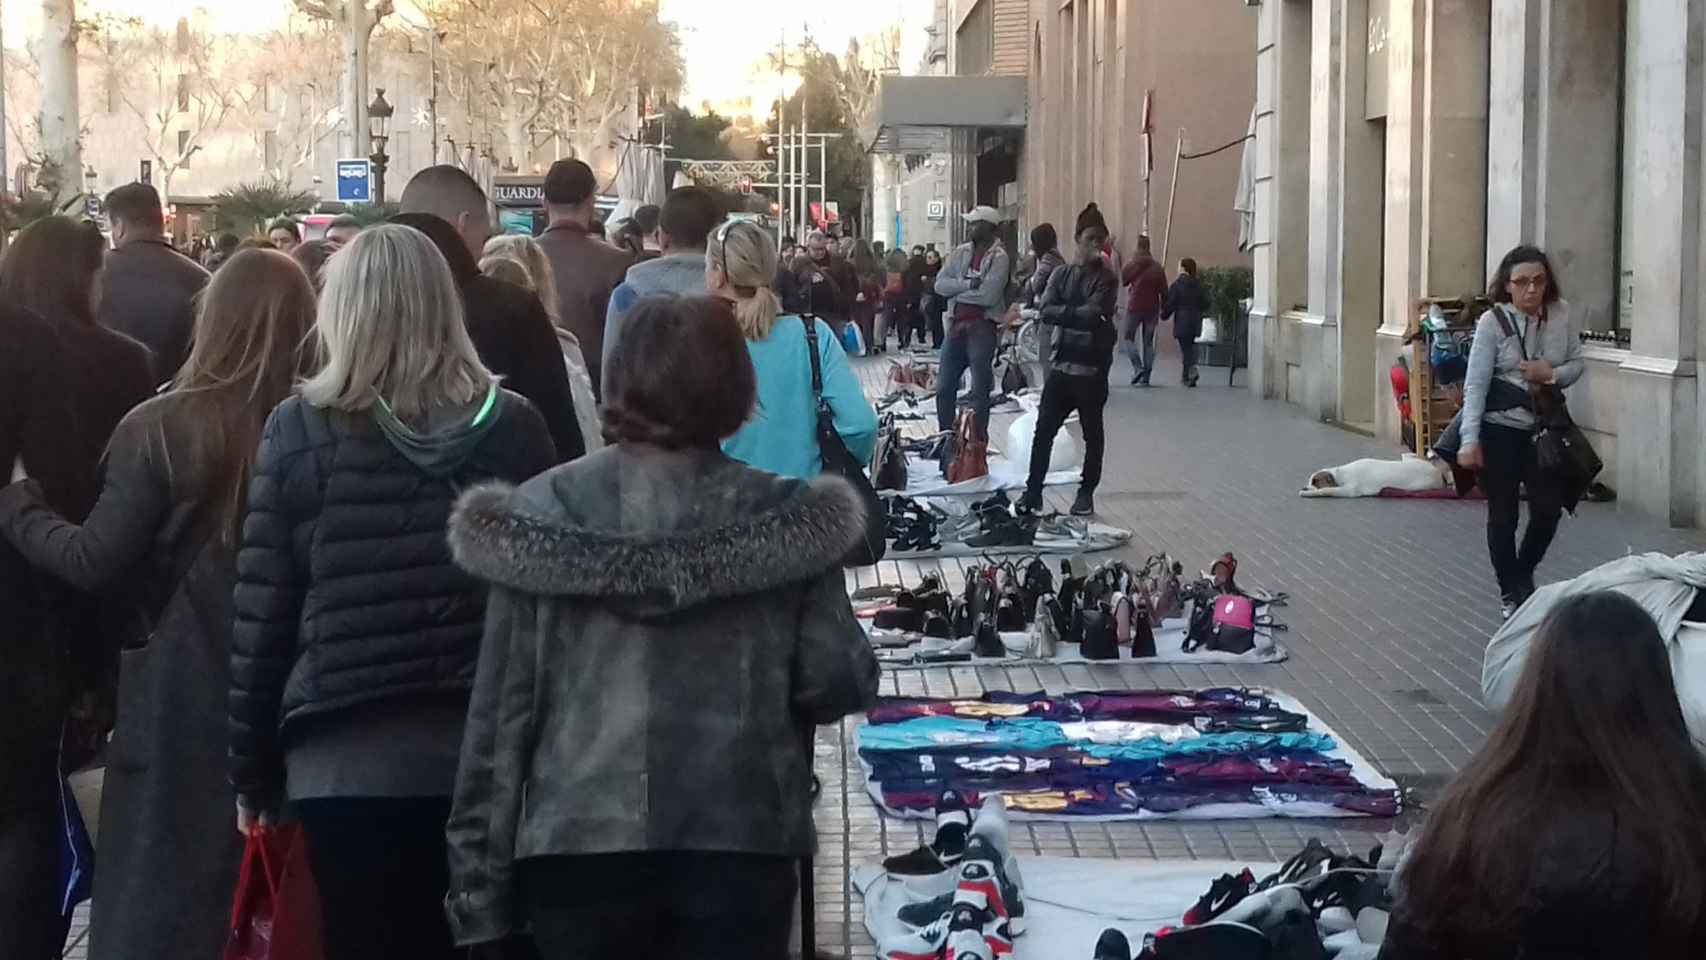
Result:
<point x="781" y="437"/>
<point x="1528" y="339"/>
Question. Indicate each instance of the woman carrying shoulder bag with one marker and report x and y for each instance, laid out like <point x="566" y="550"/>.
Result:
<point x="781" y="437"/>
<point x="1542" y="347"/>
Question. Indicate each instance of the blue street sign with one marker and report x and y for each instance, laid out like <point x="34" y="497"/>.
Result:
<point x="355" y="181"/>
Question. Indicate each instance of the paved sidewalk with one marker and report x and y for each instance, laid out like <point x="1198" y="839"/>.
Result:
<point x="1391" y="606"/>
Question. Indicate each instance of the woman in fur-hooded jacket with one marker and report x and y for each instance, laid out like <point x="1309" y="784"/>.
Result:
<point x="665" y="628"/>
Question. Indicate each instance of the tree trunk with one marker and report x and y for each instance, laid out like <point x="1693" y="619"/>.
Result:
<point x="358" y="28"/>
<point x="60" y="124"/>
<point x="520" y="142"/>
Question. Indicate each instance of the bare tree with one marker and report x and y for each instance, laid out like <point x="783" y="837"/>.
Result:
<point x="356" y="20"/>
<point x="174" y="86"/>
<point x="56" y="51"/>
<point x="569" y="71"/>
<point x="287" y="109"/>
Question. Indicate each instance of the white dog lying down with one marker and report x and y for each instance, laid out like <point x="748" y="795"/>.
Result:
<point x="1366" y="478"/>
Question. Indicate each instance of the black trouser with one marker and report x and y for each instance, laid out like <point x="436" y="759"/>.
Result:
<point x="933" y="319"/>
<point x="31" y="924"/>
<point x="1509" y="456"/>
<point x="1188" y="357"/>
<point x="382" y="870"/>
<point x="676" y="904"/>
<point x="1062" y="394"/>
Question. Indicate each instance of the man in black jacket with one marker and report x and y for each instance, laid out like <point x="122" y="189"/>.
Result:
<point x="509" y="326"/>
<point x="1080" y="301"/>
<point x="148" y="289"/>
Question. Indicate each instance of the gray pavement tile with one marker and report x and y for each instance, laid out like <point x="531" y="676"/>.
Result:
<point x="1391" y="608"/>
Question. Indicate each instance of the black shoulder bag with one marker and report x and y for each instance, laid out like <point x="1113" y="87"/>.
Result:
<point x="837" y="460"/>
<point x="1561" y="449"/>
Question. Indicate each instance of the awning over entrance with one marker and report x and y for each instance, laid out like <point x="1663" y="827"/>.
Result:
<point x="915" y="114"/>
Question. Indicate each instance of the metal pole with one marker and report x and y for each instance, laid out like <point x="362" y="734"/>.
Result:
<point x="1172" y="195"/>
<point x="432" y="102"/>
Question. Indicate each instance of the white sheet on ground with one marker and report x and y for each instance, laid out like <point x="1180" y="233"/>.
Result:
<point x="924" y="478"/>
<point x="1069" y="901"/>
<point x="1361" y="768"/>
<point x="1664" y="586"/>
<point x="1168" y="642"/>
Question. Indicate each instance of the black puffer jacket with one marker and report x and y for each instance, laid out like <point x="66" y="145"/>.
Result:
<point x="346" y="592"/>
<point x="665" y="626"/>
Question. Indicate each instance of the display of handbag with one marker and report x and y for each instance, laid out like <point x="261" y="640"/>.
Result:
<point x="874" y="544"/>
<point x="888" y="457"/>
<point x="1093" y="628"/>
<point x="971" y="452"/>
<point x="1234" y="620"/>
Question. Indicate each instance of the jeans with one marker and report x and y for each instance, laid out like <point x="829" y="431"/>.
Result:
<point x="1509" y="454"/>
<point x="382" y="872"/>
<point x="1141" y="350"/>
<point x="676" y="904"/>
<point x="933" y="310"/>
<point x="1062" y="394"/>
<point x="969" y="346"/>
<point x="1188" y="354"/>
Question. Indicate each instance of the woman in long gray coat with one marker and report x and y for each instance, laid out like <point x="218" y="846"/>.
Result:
<point x="666" y="626"/>
<point x="162" y="533"/>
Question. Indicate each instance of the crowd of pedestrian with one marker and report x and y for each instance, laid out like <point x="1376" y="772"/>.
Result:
<point x="233" y="540"/>
<point x="506" y="568"/>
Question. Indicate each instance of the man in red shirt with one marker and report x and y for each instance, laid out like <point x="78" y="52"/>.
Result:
<point x="1148" y="282"/>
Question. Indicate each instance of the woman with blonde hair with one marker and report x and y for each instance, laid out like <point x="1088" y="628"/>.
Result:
<point x="781" y="437"/>
<point x="162" y="539"/>
<point x="355" y="639"/>
<point x="520" y="260"/>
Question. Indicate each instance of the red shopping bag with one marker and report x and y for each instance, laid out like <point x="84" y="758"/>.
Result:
<point x="275" y="914"/>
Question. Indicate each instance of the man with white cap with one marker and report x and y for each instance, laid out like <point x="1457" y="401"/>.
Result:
<point x="974" y="279"/>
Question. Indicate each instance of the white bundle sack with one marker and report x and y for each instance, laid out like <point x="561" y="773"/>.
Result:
<point x="1065" y="454"/>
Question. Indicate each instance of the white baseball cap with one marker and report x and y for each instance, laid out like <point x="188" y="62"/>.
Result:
<point x="987" y="215"/>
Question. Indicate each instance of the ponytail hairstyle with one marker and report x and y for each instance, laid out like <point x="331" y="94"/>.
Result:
<point x="1090" y="217"/>
<point x="746" y="258"/>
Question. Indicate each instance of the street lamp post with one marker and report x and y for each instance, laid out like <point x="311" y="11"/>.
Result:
<point x="378" y="129"/>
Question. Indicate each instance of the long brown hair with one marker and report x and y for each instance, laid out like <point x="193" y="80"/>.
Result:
<point x="251" y="344"/>
<point x="52" y="267"/>
<point x="1594" y="738"/>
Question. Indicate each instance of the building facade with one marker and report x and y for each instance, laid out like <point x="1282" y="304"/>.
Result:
<point x="1404" y="146"/>
<point x="1097" y="69"/>
<point x="1043" y="111"/>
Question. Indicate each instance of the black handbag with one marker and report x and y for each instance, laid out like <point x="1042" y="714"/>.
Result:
<point x="1561" y="449"/>
<point x="888" y="461"/>
<point x="874" y="544"/>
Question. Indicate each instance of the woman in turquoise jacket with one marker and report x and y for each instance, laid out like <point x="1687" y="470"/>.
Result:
<point x="781" y="437"/>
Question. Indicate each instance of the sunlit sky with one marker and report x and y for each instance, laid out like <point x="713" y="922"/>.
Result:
<point x="722" y="47"/>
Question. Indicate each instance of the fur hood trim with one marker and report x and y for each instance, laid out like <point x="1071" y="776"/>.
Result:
<point x="493" y="537"/>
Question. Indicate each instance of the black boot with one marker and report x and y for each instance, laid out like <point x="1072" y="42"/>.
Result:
<point x="1085" y="504"/>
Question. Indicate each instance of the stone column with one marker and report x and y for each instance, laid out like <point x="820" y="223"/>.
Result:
<point x="1361" y="182"/>
<point x="1319" y="329"/>
<point x="1661" y="460"/>
<point x="1282" y="184"/>
<point x="1553" y="123"/>
<point x="1406" y="39"/>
